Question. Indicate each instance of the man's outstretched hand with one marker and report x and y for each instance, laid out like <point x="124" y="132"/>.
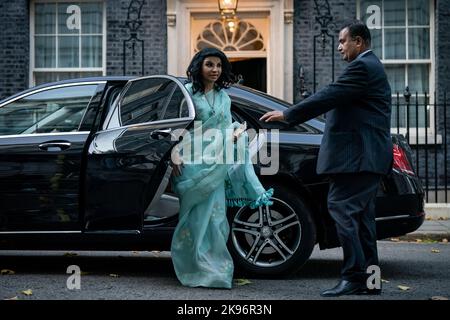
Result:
<point x="272" y="116"/>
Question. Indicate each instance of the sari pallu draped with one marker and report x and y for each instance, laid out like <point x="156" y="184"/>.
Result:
<point x="207" y="185"/>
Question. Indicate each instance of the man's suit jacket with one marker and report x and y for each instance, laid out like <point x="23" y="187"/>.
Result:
<point x="357" y="131"/>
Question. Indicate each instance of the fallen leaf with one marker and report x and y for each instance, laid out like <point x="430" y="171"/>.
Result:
<point x="242" y="282"/>
<point x="70" y="254"/>
<point x="395" y="239"/>
<point x="442" y="218"/>
<point x="419" y="240"/>
<point x="385" y="281"/>
<point x="444" y="240"/>
<point x="404" y="288"/>
<point x="13" y="298"/>
<point x="114" y="275"/>
<point x="28" y="292"/>
<point x="439" y="298"/>
<point x="435" y="250"/>
<point x="135" y="252"/>
<point x="6" y="272"/>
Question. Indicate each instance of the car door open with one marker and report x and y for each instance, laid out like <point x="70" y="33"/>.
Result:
<point x="128" y="160"/>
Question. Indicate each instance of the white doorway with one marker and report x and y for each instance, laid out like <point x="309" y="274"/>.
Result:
<point x="245" y="45"/>
<point x="187" y="19"/>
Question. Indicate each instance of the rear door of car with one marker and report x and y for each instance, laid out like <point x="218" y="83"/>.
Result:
<point x="41" y="148"/>
<point x="128" y="159"/>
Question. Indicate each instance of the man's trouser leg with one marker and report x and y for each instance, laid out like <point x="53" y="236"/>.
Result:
<point x="351" y="203"/>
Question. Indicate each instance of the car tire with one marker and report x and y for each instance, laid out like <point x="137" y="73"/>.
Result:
<point x="275" y="248"/>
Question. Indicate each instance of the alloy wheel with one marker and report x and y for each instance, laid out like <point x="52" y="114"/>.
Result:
<point x="266" y="236"/>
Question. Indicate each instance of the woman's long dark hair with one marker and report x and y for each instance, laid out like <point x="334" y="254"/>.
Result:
<point x="194" y="71"/>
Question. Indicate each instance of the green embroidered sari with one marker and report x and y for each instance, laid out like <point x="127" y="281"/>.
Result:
<point x="205" y="189"/>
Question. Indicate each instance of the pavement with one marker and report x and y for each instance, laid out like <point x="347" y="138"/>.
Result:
<point x="433" y="229"/>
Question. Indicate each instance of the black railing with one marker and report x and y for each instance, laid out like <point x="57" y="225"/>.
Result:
<point x="324" y="19"/>
<point x="132" y="44"/>
<point x="422" y="119"/>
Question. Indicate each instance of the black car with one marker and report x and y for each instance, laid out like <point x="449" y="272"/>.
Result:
<point x="84" y="165"/>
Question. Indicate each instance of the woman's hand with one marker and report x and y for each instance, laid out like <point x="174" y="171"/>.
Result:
<point x="238" y="131"/>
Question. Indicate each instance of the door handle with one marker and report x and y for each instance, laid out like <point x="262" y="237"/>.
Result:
<point x="157" y="134"/>
<point x="55" y="146"/>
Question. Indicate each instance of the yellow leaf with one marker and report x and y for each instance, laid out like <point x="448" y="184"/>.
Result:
<point x="242" y="282"/>
<point x="430" y="241"/>
<point x="435" y="250"/>
<point x="439" y="298"/>
<point x="6" y="272"/>
<point x="70" y="254"/>
<point x="385" y="281"/>
<point x="445" y="240"/>
<point x="114" y="275"/>
<point x="395" y="239"/>
<point x="404" y="288"/>
<point x="419" y="240"/>
<point x="28" y="292"/>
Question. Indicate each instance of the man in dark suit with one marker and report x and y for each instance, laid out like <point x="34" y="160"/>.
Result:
<point x="356" y="150"/>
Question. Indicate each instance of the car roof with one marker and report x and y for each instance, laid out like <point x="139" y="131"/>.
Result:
<point x="236" y="90"/>
<point x="68" y="81"/>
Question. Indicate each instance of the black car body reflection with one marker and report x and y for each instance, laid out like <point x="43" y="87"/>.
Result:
<point x="84" y="164"/>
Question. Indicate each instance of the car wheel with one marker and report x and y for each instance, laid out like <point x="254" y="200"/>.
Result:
<point x="272" y="240"/>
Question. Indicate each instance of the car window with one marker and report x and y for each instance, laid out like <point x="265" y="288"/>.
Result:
<point x="255" y="112"/>
<point x="152" y="99"/>
<point x="177" y="106"/>
<point x="111" y="94"/>
<point x="48" y="111"/>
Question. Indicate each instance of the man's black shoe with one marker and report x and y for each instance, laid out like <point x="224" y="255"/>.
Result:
<point x="344" y="287"/>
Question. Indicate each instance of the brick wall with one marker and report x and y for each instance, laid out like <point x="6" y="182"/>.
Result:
<point x="153" y="32"/>
<point x="14" y="46"/>
<point x="442" y="80"/>
<point x="442" y="41"/>
<point x="14" y="42"/>
<point x="305" y="28"/>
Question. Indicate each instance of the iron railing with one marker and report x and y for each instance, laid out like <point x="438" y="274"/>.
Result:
<point x="132" y="44"/>
<point x="422" y="119"/>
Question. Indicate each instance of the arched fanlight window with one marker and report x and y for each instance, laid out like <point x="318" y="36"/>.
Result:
<point x="244" y="37"/>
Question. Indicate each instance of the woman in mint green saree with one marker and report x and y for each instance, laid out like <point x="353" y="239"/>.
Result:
<point x="208" y="182"/>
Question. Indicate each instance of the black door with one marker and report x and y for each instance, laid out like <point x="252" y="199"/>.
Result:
<point x="41" y="150"/>
<point x="251" y="72"/>
<point x="128" y="160"/>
